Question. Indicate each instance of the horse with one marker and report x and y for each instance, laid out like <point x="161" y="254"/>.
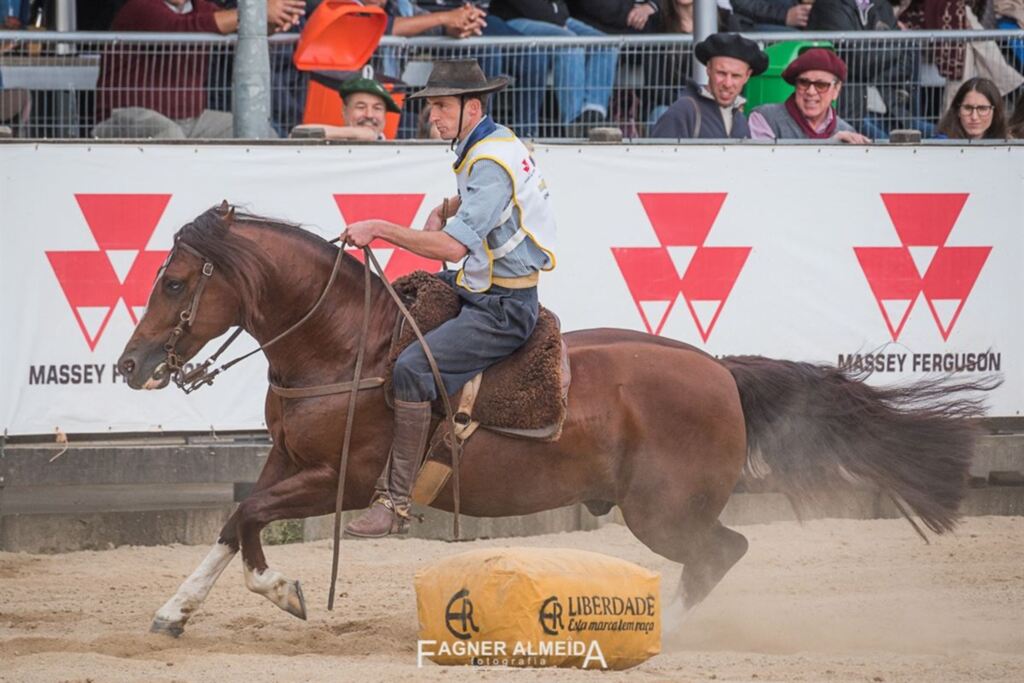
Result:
<point x="655" y="426"/>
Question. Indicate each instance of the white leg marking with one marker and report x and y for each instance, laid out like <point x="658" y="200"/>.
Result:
<point x="272" y="585"/>
<point x="196" y="587"/>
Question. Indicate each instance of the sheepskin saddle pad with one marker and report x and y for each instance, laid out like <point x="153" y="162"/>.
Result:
<point x="525" y="394"/>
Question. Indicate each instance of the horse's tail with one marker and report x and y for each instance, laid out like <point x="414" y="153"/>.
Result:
<point x="813" y="428"/>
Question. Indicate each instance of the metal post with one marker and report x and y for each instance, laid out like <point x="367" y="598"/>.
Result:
<point x="705" y="22"/>
<point x="251" y="92"/>
<point x="66" y="15"/>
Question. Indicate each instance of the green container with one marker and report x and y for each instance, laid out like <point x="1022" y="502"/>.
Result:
<point x="769" y="86"/>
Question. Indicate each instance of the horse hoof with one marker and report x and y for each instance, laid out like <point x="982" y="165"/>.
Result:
<point x="167" y="628"/>
<point x="296" y="602"/>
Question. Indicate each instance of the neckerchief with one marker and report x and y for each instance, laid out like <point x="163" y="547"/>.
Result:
<point x="482" y="130"/>
<point x="795" y="114"/>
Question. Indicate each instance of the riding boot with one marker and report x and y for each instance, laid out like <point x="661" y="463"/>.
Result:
<point x="389" y="512"/>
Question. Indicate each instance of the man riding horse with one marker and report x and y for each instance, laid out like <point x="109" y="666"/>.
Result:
<point x="503" y="224"/>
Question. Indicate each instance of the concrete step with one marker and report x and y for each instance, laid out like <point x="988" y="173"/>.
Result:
<point x="111" y="498"/>
<point x="59" y="532"/>
<point x="999" y="452"/>
<point x="40" y="465"/>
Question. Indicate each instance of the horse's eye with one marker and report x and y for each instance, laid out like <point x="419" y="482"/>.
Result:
<point x="174" y="286"/>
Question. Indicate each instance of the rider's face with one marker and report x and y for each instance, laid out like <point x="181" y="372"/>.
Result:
<point x="444" y="114"/>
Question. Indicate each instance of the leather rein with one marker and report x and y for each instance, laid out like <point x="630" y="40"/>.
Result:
<point x="202" y="374"/>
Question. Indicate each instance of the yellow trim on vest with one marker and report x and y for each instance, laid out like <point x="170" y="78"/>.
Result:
<point x="466" y="154"/>
<point x="521" y="282"/>
<point x="515" y="201"/>
<point x="460" y="276"/>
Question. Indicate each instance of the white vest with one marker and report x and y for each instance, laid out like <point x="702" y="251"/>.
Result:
<point x="529" y="205"/>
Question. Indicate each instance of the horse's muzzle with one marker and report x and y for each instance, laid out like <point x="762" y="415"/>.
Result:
<point x="144" y="370"/>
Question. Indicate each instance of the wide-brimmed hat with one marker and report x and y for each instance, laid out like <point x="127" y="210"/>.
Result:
<point x="732" y="45"/>
<point x="815" y="59"/>
<point x="459" y="77"/>
<point x="371" y="87"/>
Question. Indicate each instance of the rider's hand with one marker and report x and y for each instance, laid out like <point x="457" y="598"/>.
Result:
<point x="434" y="220"/>
<point x="361" y="233"/>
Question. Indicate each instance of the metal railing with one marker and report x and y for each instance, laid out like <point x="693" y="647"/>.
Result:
<point x="66" y="85"/>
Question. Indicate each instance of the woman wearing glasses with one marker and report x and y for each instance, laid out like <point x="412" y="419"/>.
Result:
<point x="817" y="76"/>
<point x="977" y="113"/>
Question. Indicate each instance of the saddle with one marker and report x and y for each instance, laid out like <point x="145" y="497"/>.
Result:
<point x="523" y="396"/>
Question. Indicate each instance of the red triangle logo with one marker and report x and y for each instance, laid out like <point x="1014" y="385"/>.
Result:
<point x="396" y="208"/>
<point x="122" y="221"/>
<point x="922" y="221"/>
<point x="950" y="279"/>
<point x="680" y="220"/>
<point x="88" y="282"/>
<point x="892" y="276"/>
<point x="650" y="276"/>
<point x="711" y="276"/>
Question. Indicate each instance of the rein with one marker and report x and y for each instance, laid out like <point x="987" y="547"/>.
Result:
<point x="203" y="375"/>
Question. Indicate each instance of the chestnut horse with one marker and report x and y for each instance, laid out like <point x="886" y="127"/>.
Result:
<point x="654" y="426"/>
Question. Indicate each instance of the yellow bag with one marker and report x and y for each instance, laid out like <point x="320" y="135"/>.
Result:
<point x="537" y="607"/>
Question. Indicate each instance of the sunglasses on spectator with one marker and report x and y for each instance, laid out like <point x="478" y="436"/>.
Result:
<point x="820" y="86"/>
<point x="979" y="109"/>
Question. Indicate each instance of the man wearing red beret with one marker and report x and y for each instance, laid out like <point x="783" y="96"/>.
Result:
<point x="817" y="75"/>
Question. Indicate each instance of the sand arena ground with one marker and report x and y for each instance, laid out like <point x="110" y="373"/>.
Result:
<point x="832" y="600"/>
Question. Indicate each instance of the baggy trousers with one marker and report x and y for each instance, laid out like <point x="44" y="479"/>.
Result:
<point x="488" y="329"/>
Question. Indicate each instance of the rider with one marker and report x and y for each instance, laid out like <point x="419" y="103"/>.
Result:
<point x="502" y="223"/>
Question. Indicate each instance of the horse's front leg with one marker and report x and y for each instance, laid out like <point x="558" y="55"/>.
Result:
<point x="171" y="618"/>
<point x="306" y="494"/>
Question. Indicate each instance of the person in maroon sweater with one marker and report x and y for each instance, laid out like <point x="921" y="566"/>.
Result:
<point x="158" y="91"/>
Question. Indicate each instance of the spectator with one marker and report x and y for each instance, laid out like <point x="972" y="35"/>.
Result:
<point x="162" y="94"/>
<point x="666" y="74"/>
<point x="365" y="103"/>
<point x="715" y="110"/>
<point x="960" y="60"/>
<point x="977" y="113"/>
<point x="888" y="68"/>
<point x="1015" y="127"/>
<point x="818" y="76"/>
<point x="1009" y="15"/>
<point x="769" y="15"/>
<point x="617" y="16"/>
<point x="583" y="76"/>
<point x="406" y="19"/>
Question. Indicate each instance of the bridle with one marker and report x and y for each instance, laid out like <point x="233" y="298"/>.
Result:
<point x="202" y="375"/>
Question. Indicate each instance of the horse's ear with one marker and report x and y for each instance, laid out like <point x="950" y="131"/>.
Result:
<point x="227" y="211"/>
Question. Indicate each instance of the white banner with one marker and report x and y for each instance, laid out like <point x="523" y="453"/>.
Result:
<point x="902" y="261"/>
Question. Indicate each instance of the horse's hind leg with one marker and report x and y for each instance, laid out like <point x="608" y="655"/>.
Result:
<point x="709" y="561"/>
<point x="683" y="526"/>
<point x="308" y="493"/>
<point x="171" y="618"/>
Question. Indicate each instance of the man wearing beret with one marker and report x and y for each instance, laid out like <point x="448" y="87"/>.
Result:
<point x="365" y="102"/>
<point x="715" y="110"/>
<point x="817" y="75"/>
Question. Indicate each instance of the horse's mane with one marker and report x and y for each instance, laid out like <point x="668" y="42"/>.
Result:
<point x="240" y="259"/>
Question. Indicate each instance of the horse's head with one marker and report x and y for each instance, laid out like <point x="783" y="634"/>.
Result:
<point x="197" y="296"/>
